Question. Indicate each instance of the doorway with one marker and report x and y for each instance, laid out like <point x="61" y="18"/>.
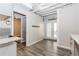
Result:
<point x="51" y="28"/>
<point x="19" y="22"/>
<point x="17" y="27"/>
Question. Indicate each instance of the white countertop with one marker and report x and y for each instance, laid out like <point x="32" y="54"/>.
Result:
<point x="10" y="39"/>
<point x="75" y="37"/>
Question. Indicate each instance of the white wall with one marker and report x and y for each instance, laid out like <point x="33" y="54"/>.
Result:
<point x="33" y="35"/>
<point x="68" y="23"/>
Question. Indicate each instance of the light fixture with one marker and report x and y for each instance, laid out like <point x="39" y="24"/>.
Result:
<point x="8" y="22"/>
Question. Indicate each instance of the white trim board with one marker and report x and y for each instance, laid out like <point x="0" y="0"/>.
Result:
<point x="33" y="42"/>
<point x="65" y="47"/>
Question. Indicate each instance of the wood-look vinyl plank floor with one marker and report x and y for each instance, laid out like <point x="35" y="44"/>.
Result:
<point x="42" y="48"/>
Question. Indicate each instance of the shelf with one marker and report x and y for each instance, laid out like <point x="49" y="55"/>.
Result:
<point x="35" y="26"/>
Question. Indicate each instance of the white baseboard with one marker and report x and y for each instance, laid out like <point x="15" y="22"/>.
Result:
<point x="33" y="42"/>
<point x="65" y="47"/>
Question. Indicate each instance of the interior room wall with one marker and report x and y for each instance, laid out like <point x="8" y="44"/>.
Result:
<point x="68" y="23"/>
<point x="33" y="35"/>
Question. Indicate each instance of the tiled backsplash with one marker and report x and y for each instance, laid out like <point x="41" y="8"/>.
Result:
<point x="5" y="31"/>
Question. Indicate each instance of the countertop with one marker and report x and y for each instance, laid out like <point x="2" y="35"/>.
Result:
<point x="10" y="39"/>
<point x="75" y="37"/>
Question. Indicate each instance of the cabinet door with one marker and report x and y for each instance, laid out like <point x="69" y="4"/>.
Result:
<point x="8" y="49"/>
<point x="76" y="49"/>
<point x="72" y="46"/>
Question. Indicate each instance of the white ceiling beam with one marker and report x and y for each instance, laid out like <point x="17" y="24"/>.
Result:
<point x="42" y="8"/>
<point x="51" y="7"/>
<point x="47" y="13"/>
<point x="51" y="10"/>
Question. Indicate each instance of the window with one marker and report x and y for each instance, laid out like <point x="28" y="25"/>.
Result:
<point x="55" y="29"/>
<point x="48" y="29"/>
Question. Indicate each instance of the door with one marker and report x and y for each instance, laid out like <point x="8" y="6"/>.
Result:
<point x="51" y="29"/>
<point x="17" y="27"/>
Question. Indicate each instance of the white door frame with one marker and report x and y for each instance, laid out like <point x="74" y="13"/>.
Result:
<point x="12" y="29"/>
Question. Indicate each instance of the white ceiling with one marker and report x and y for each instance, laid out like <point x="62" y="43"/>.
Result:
<point x="44" y="9"/>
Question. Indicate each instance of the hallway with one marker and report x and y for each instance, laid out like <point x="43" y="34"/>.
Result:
<point x="42" y="48"/>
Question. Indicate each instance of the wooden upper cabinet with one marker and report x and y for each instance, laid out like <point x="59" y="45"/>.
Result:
<point x="3" y="17"/>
